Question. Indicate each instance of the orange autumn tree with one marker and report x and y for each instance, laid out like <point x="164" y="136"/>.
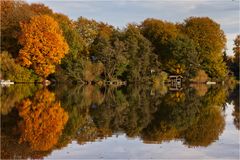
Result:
<point x="43" y="120"/>
<point x="43" y="45"/>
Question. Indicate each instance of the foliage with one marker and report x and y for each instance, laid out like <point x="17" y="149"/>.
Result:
<point x="236" y="51"/>
<point x="234" y="99"/>
<point x="140" y="55"/>
<point x="12" y="12"/>
<point x="129" y="54"/>
<point x="159" y="33"/>
<point x="40" y="9"/>
<point x="210" y="41"/>
<point x="110" y="51"/>
<point x="43" y="120"/>
<point x="93" y="114"/>
<point x="208" y="128"/>
<point x="14" y="94"/>
<point x="183" y="58"/>
<point x="88" y="29"/>
<point x="43" y="45"/>
<point x="201" y="76"/>
<point x="159" y="80"/>
<point x="14" y="71"/>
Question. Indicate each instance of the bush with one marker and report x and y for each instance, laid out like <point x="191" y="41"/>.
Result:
<point x="13" y="71"/>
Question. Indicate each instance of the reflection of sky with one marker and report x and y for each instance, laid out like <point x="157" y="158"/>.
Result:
<point x="227" y="147"/>
<point x="121" y="12"/>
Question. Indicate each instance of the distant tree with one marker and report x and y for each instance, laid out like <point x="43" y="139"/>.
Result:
<point x="43" y="45"/>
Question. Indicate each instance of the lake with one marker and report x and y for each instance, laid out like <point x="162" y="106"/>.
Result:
<point x="132" y="122"/>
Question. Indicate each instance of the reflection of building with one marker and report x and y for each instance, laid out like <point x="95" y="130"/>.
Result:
<point x="175" y="82"/>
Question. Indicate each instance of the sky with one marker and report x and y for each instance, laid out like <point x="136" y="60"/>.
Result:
<point x="121" y="12"/>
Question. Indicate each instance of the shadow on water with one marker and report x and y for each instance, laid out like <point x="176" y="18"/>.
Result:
<point x="36" y="120"/>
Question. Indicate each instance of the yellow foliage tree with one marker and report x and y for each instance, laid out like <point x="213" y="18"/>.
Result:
<point x="43" y="45"/>
<point x="43" y="120"/>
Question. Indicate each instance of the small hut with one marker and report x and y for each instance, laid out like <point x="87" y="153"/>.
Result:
<point x="175" y="82"/>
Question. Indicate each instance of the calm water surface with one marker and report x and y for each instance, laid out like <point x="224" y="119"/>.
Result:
<point x="134" y="122"/>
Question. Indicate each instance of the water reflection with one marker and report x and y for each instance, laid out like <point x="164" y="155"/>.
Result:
<point x="234" y="97"/>
<point x="43" y="120"/>
<point x="37" y="120"/>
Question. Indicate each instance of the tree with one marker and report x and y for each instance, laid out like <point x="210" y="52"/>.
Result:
<point x="139" y="54"/>
<point x="71" y="65"/>
<point x="159" y="33"/>
<point x="236" y="51"/>
<point x="183" y="57"/>
<point x="109" y="49"/>
<point x="12" y="12"/>
<point x="43" y="45"/>
<point x="40" y="9"/>
<point x="210" y="42"/>
<point x="88" y="29"/>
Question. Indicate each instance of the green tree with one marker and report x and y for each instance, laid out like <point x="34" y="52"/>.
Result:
<point x="139" y="54"/>
<point x="71" y="67"/>
<point x="109" y="49"/>
<point x="183" y="57"/>
<point x="13" y="71"/>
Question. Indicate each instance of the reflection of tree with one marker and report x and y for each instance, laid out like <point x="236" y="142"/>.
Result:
<point x="201" y="89"/>
<point x="234" y="97"/>
<point x="175" y="113"/>
<point x="76" y="101"/>
<point x="10" y="133"/>
<point x="207" y="129"/>
<point x="14" y="94"/>
<point x="236" y="114"/>
<point x="96" y="113"/>
<point x="129" y="112"/>
<point x="43" y="120"/>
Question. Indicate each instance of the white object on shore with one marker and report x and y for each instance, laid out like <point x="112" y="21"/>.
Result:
<point x="6" y="82"/>
<point x="209" y="82"/>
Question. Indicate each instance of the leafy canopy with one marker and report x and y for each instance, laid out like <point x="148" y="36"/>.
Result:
<point x="43" y="45"/>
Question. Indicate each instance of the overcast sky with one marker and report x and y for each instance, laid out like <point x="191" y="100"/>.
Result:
<point x="121" y="12"/>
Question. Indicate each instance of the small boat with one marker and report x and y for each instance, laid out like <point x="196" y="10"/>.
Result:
<point x="6" y="82"/>
<point x="210" y="83"/>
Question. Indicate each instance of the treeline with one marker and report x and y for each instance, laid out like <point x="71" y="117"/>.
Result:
<point x="38" y="44"/>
